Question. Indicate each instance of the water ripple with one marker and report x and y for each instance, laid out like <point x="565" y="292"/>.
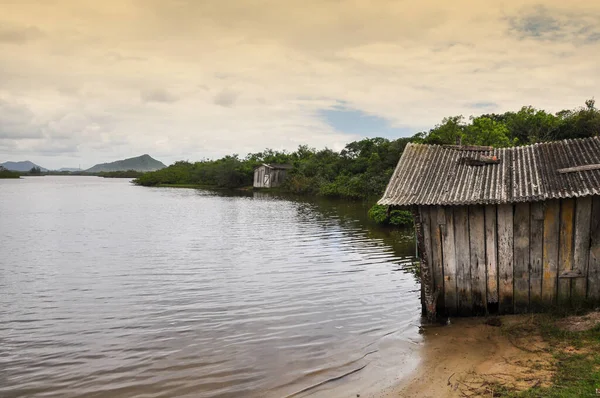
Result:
<point x="111" y="290"/>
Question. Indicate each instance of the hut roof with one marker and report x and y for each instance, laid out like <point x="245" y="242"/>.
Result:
<point x="450" y="175"/>
<point x="277" y="166"/>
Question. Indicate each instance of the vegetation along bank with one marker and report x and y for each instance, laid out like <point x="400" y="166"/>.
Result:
<point x="362" y="169"/>
<point x="8" y="174"/>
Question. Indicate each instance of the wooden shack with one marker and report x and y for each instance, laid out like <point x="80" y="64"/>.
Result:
<point x="270" y="175"/>
<point x="506" y="230"/>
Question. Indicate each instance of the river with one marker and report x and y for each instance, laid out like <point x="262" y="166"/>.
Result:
<point x="113" y="290"/>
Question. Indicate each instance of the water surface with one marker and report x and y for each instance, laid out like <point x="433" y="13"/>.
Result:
<point x="113" y="290"/>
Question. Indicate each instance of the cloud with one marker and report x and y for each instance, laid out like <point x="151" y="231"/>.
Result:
<point x="484" y="105"/>
<point x="52" y="148"/>
<point x="226" y="98"/>
<point x="158" y="95"/>
<point x="189" y="79"/>
<point x="17" y="122"/>
<point x="118" y="57"/>
<point x="19" y="35"/>
<point x="536" y="23"/>
<point x="555" y="24"/>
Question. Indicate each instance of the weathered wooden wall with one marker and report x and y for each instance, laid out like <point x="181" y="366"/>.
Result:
<point x="265" y="177"/>
<point x="277" y="177"/>
<point x="259" y="177"/>
<point x="514" y="258"/>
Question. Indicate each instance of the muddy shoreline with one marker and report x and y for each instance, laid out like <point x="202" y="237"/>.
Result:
<point x="538" y="355"/>
<point x="470" y="358"/>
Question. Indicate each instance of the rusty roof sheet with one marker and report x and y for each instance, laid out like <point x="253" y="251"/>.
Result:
<point x="434" y="175"/>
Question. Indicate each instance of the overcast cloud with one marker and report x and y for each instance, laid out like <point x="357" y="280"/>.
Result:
<point x="83" y="82"/>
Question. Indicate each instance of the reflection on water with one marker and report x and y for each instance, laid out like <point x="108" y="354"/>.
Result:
<point x="112" y="290"/>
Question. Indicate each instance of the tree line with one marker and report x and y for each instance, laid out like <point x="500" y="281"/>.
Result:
<point x="4" y="173"/>
<point x="120" y="174"/>
<point x="363" y="168"/>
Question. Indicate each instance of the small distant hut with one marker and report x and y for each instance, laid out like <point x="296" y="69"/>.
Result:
<point x="270" y="175"/>
<point x="506" y="230"/>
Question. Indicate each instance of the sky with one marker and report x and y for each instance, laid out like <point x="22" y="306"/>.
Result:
<point x="84" y="82"/>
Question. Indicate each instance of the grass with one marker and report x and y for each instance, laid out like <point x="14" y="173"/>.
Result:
<point x="577" y="357"/>
<point x="577" y="375"/>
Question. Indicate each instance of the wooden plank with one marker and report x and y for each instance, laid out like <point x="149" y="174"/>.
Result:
<point x="593" y="288"/>
<point x="565" y="248"/>
<point x="505" y="258"/>
<point x="579" y="168"/>
<point x="425" y="215"/>
<point x="426" y="221"/>
<point x="478" y="263"/>
<point x="521" y="258"/>
<point x="536" y="255"/>
<point x="428" y="296"/>
<point x="491" y="258"/>
<point x="435" y="213"/>
<point x="581" y="251"/>
<point x="550" y="254"/>
<point x="463" y="260"/>
<point x="449" y="259"/>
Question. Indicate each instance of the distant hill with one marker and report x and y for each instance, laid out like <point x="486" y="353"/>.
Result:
<point x="25" y="165"/>
<point x="140" y="163"/>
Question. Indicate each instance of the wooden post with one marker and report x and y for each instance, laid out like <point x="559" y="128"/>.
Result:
<point x="427" y="282"/>
<point x="436" y="252"/>
<point x="426" y="223"/>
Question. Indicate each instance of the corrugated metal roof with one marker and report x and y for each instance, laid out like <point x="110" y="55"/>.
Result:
<point x="276" y="166"/>
<point x="434" y="175"/>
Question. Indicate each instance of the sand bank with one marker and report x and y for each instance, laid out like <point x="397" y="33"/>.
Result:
<point x="472" y="358"/>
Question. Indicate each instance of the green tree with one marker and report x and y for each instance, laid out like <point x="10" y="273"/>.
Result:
<point x="579" y="123"/>
<point x="530" y="125"/>
<point x="449" y="132"/>
<point x="486" y="131"/>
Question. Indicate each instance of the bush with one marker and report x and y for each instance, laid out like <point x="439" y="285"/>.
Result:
<point x="401" y="217"/>
<point x="379" y="214"/>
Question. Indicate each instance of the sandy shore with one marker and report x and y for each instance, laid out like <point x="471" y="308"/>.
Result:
<point x="480" y="357"/>
<point x="472" y="358"/>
